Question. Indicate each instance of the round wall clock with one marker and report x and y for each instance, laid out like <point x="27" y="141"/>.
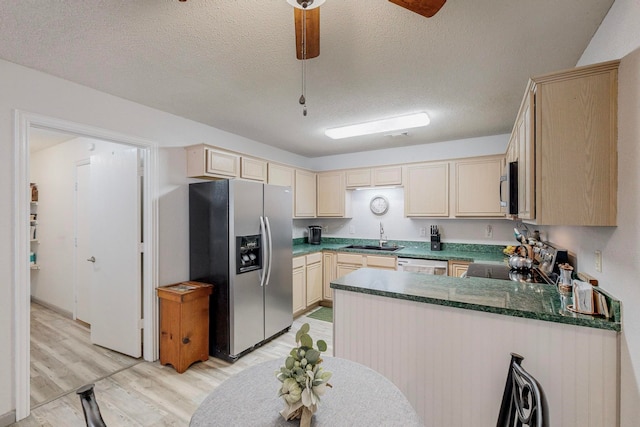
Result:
<point x="379" y="205"/>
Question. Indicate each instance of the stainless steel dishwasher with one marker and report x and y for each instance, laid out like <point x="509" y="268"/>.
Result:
<point x="425" y="266"/>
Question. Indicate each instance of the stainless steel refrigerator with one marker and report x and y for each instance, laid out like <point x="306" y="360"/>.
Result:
<point x="240" y="241"/>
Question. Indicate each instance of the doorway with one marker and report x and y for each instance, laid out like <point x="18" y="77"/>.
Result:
<point x="25" y="123"/>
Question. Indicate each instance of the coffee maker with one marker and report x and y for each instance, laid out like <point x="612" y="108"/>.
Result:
<point x="315" y="234"/>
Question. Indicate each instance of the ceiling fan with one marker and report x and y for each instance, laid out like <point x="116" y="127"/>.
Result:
<point x="307" y="21"/>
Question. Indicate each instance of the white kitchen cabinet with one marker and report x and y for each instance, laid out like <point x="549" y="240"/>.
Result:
<point x="299" y="285"/>
<point x="333" y="198"/>
<point x="358" y="178"/>
<point x="426" y="190"/>
<point x="253" y="169"/>
<point x="314" y="278"/>
<point x="477" y="187"/>
<point x="204" y="161"/>
<point x="329" y="274"/>
<point x="304" y="194"/>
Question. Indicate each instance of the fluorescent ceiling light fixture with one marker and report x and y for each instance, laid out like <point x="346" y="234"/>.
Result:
<point x="379" y="126"/>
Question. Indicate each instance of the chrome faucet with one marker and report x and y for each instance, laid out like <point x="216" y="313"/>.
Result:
<point x="383" y="241"/>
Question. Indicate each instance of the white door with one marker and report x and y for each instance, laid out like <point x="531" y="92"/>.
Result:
<point x="116" y="285"/>
<point x="83" y="268"/>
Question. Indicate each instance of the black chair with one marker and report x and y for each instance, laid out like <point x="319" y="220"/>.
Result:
<point x="90" y="407"/>
<point x="523" y="400"/>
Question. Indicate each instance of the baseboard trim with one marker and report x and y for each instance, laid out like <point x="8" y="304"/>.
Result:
<point x="65" y="313"/>
<point x="7" y="419"/>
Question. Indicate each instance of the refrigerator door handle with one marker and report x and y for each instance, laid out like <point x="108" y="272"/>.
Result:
<point x="263" y="233"/>
<point x="270" y="248"/>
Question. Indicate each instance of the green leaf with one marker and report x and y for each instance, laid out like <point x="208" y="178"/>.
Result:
<point x="304" y="329"/>
<point x="322" y="345"/>
<point x="289" y="362"/>
<point x="305" y="340"/>
<point x="312" y="356"/>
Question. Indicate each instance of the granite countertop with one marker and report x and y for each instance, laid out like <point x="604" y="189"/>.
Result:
<point x="527" y="300"/>
<point x="412" y="249"/>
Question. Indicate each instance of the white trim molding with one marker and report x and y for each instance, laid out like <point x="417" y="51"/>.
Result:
<point x="23" y="121"/>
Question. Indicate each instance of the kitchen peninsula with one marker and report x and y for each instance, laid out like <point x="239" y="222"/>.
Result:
<point x="446" y="343"/>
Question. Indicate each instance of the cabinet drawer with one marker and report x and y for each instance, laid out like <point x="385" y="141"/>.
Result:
<point x="314" y="258"/>
<point x="298" y="262"/>
<point x="381" y="261"/>
<point x="344" y="258"/>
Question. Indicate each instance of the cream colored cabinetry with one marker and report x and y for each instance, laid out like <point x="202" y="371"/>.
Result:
<point x="329" y="273"/>
<point x="299" y="285"/>
<point x="206" y="162"/>
<point x="511" y="156"/>
<point x="477" y="187"/>
<point x="280" y="175"/>
<point x="372" y="177"/>
<point x="304" y="194"/>
<point x="387" y="175"/>
<point x="348" y="262"/>
<point x="314" y="278"/>
<point x="567" y="147"/>
<point x="426" y="190"/>
<point x="333" y="199"/>
<point x="253" y="169"/>
<point x="458" y="268"/>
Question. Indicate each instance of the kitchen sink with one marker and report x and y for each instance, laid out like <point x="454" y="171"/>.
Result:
<point x="375" y="248"/>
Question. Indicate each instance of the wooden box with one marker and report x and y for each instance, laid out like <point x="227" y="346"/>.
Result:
<point x="184" y="324"/>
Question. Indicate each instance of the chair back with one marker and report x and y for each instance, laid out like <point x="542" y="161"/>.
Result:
<point x="523" y="400"/>
<point x="92" y="415"/>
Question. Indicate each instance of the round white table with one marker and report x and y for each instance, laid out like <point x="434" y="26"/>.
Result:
<point x="360" y="397"/>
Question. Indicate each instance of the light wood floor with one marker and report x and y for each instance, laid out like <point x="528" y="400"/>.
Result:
<point x="148" y="394"/>
<point x="63" y="358"/>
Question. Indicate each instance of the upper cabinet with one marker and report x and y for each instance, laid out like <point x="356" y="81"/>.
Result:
<point x="477" y="187"/>
<point x="372" y="177"/>
<point x="253" y="169"/>
<point x="304" y="200"/>
<point x="206" y="162"/>
<point x="566" y="133"/>
<point x="280" y="175"/>
<point x="426" y="190"/>
<point x="333" y="199"/>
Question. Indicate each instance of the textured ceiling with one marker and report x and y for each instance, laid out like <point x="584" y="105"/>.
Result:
<point x="231" y="63"/>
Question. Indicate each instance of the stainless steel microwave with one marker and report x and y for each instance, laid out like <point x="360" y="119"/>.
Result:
<point x="509" y="189"/>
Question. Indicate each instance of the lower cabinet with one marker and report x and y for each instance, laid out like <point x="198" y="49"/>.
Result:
<point x="348" y="262"/>
<point x="458" y="268"/>
<point x="328" y="274"/>
<point x="307" y="281"/>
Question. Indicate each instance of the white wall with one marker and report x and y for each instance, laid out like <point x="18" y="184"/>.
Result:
<point x="619" y="37"/>
<point x="365" y="224"/>
<point x="54" y="170"/>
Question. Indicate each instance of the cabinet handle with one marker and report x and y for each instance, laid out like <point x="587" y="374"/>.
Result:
<point x="186" y="340"/>
<point x="92" y="259"/>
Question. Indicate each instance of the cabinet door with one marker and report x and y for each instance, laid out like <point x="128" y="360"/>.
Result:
<point x="329" y="273"/>
<point x="344" y="269"/>
<point x="358" y="178"/>
<point x="458" y="268"/>
<point x="254" y="169"/>
<point x="426" y="190"/>
<point x="332" y="194"/>
<point x="299" y="290"/>
<point x="477" y="185"/>
<point x="222" y="163"/>
<point x="305" y="194"/>
<point x="387" y="176"/>
<point x="280" y="175"/>
<point x="526" y="165"/>
<point x="314" y="283"/>
<point x="382" y="262"/>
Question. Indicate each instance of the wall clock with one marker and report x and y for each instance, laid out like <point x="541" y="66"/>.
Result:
<point x="379" y="205"/>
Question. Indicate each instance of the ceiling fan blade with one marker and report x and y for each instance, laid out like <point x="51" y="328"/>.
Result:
<point x="426" y="8"/>
<point x="313" y="32"/>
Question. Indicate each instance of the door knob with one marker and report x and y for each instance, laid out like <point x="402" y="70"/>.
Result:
<point x="92" y="259"/>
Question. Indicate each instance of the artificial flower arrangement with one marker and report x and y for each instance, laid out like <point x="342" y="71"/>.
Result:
<point x="303" y="379"/>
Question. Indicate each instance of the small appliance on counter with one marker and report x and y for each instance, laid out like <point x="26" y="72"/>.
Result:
<point x="315" y="234"/>
<point x="436" y="245"/>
